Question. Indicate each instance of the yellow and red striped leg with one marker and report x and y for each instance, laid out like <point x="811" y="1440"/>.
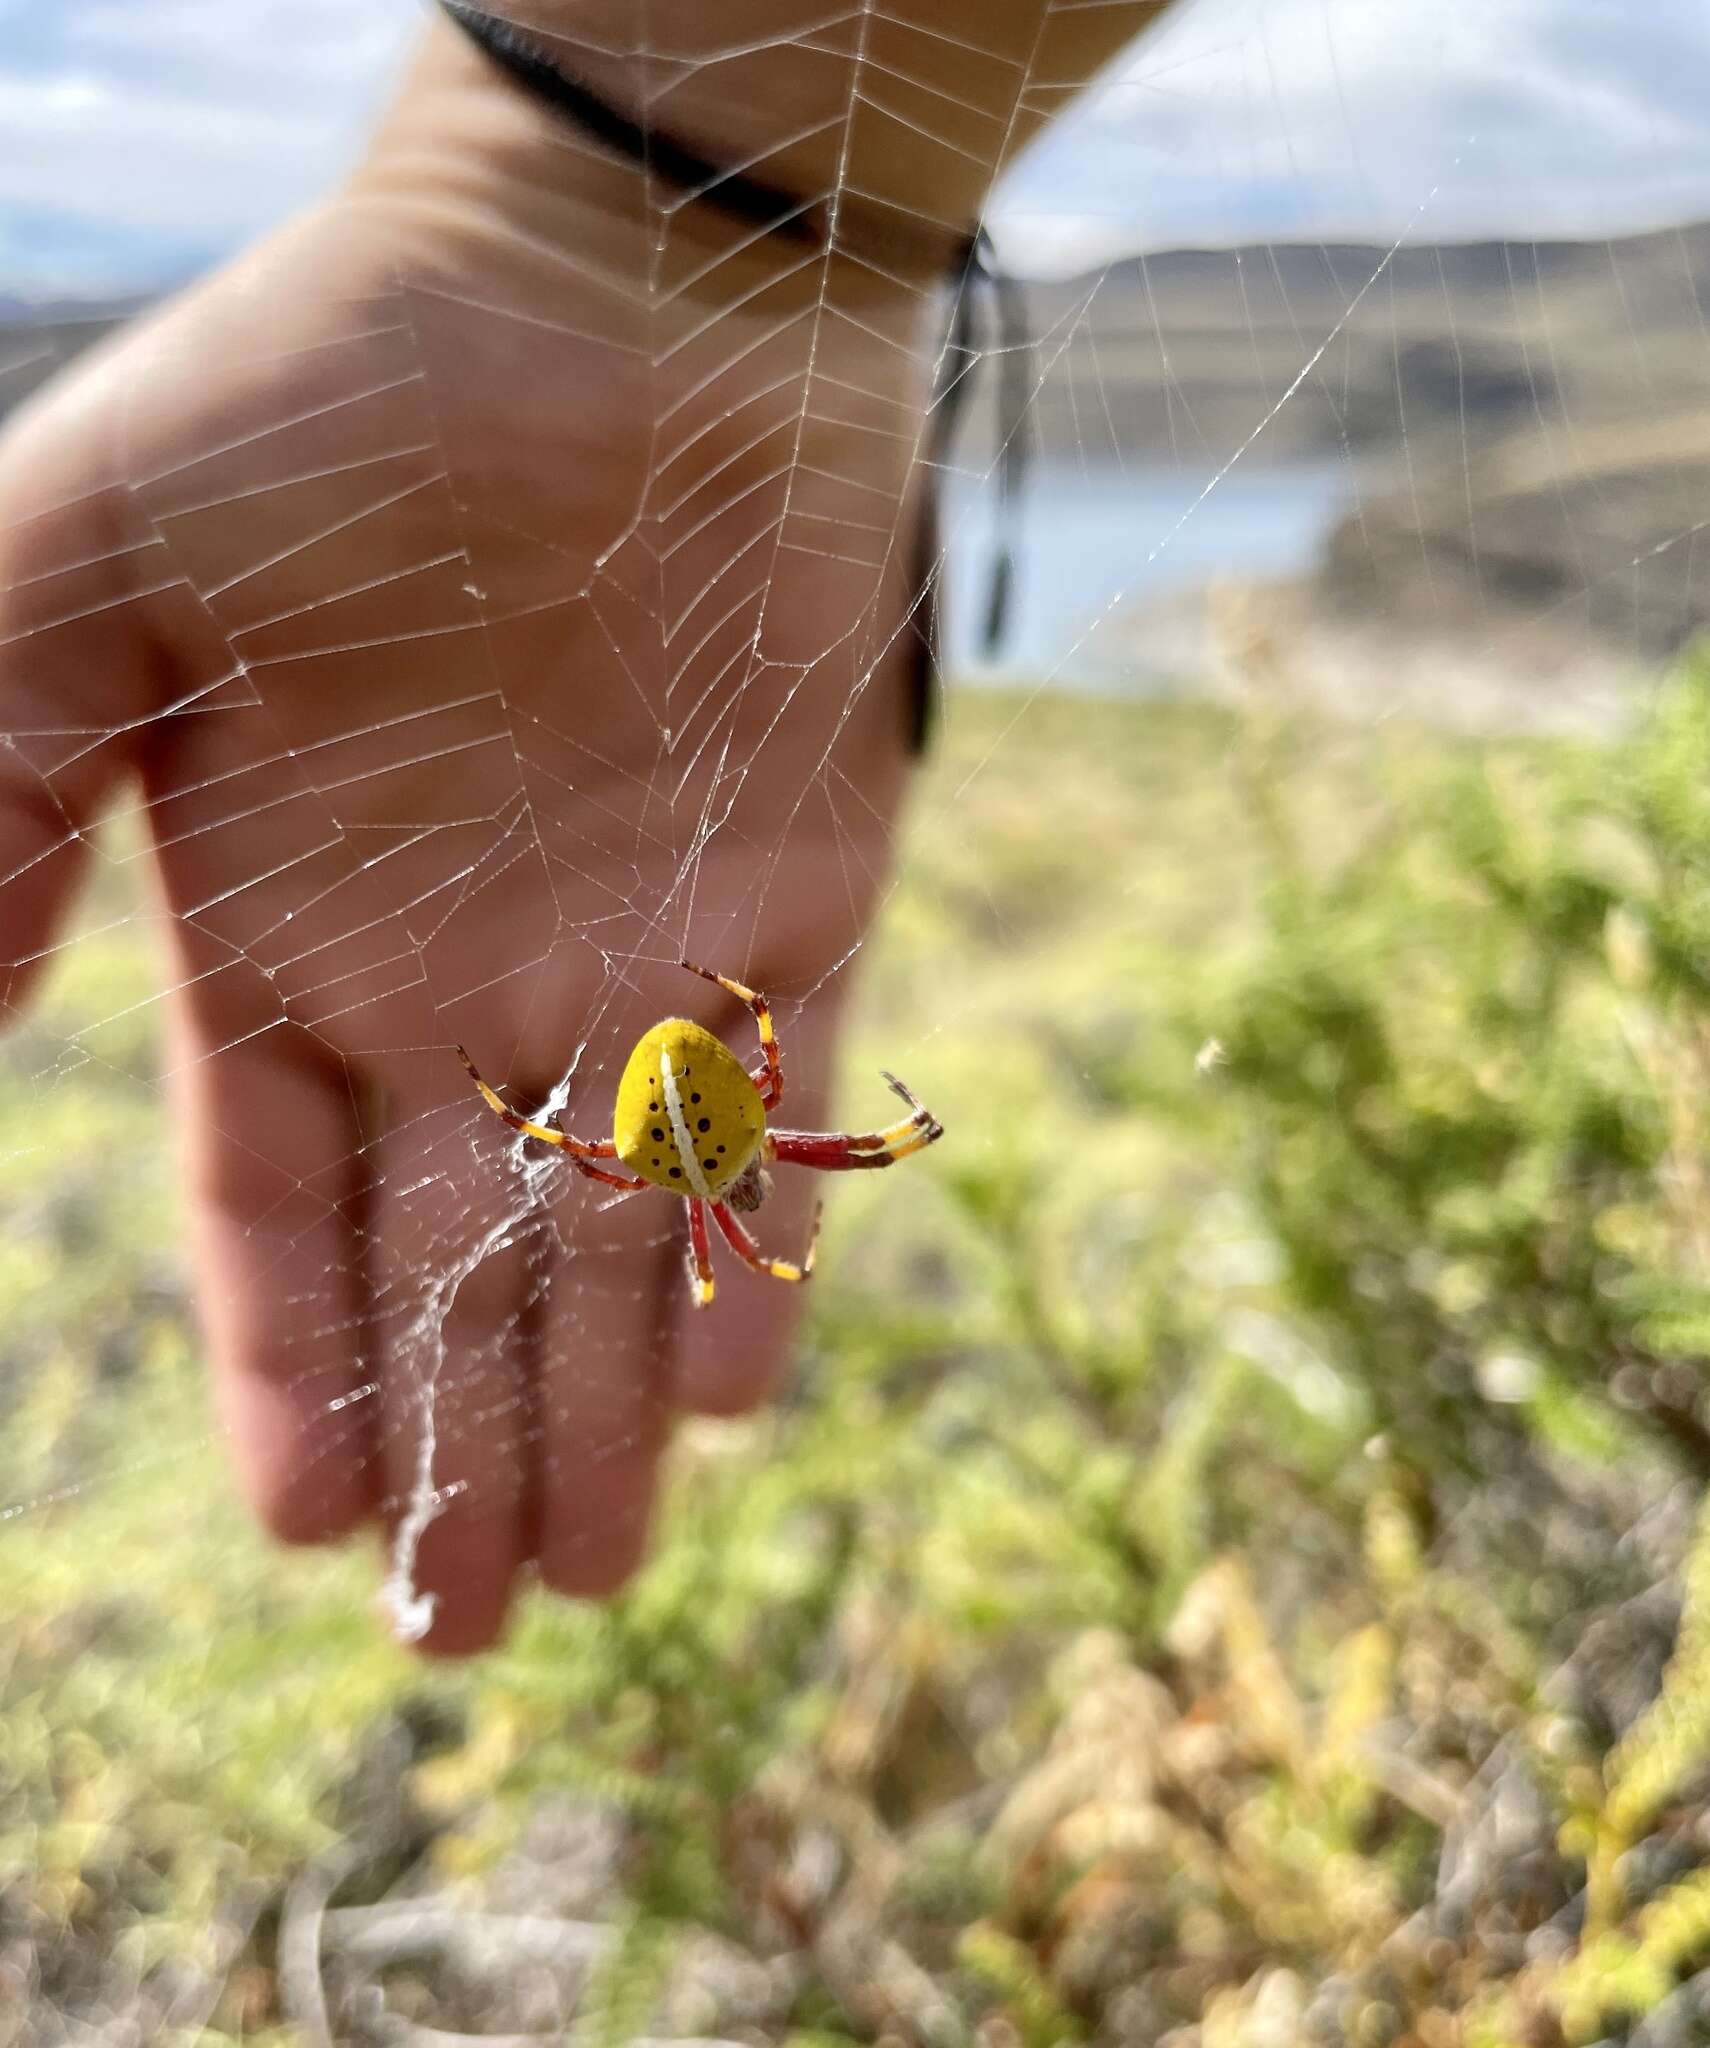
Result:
<point x="700" y="1254"/>
<point x="580" y="1150"/>
<point x="770" y="1081"/>
<point x="845" y="1151"/>
<point x="747" y="1250"/>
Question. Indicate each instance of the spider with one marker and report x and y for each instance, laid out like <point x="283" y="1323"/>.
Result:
<point x="691" y="1119"/>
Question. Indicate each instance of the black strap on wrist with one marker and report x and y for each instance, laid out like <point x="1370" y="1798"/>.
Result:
<point x="547" y="79"/>
<point x="756" y="204"/>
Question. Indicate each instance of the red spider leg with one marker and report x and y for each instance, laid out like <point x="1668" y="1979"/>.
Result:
<point x="747" y="1250"/>
<point x="770" y="1079"/>
<point x="700" y="1254"/>
<point x="621" y="1181"/>
<point x="844" y="1151"/>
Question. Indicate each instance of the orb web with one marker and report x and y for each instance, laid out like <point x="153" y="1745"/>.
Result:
<point x="439" y="759"/>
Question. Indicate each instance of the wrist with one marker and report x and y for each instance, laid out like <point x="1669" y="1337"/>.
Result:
<point x="466" y="150"/>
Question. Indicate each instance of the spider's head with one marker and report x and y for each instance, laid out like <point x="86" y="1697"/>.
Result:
<point x="750" y="1188"/>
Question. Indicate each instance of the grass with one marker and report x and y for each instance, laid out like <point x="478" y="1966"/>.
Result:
<point x="1217" y="1579"/>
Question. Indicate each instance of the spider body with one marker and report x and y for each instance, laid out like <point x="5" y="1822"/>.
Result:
<point x="691" y="1119"/>
<point x="683" y="1085"/>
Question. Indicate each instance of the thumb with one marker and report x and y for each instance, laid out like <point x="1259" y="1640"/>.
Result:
<point x="77" y="565"/>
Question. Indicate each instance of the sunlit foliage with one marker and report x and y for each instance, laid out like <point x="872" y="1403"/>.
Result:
<point x="1226" y="1574"/>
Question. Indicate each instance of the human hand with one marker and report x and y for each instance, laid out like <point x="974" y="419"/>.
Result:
<point x="498" y="586"/>
<point x="484" y="628"/>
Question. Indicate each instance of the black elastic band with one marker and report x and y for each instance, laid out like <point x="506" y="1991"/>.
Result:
<point x="755" y="203"/>
<point x="1015" y="443"/>
<point x="750" y="199"/>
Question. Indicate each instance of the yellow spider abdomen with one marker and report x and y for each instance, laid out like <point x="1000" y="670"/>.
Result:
<point x="681" y="1081"/>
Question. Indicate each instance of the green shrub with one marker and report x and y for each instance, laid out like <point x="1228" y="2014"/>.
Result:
<point x="1214" y="1577"/>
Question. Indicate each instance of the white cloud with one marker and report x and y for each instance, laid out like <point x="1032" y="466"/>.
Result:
<point x="164" y="164"/>
<point x="136" y="133"/>
<point x="160" y="131"/>
<point x="1331" y="119"/>
<point x="248" y="46"/>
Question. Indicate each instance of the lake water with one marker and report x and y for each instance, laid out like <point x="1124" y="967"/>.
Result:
<point x="1091" y="541"/>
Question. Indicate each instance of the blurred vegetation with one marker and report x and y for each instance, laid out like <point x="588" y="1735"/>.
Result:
<point x="1230" y="1572"/>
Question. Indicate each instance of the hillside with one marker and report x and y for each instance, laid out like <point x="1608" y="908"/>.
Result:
<point x="36" y="343"/>
<point x="1527" y="428"/>
<point x="1527" y="424"/>
<point x="1188" y="351"/>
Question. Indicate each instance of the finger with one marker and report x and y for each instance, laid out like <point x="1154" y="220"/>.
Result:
<point x="275" y="1173"/>
<point x="823" y="862"/>
<point x="607" y="1314"/>
<point x="731" y="1356"/>
<point x="43" y="857"/>
<point x="734" y="1354"/>
<point x="612" y="1269"/>
<point x="75" y="674"/>
<point x="455" y="1238"/>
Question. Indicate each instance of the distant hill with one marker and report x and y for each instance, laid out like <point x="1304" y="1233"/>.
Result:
<point x="36" y="341"/>
<point x="1185" y="354"/>
<point x="1529" y="422"/>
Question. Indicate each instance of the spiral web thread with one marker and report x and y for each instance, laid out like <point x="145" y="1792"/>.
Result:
<point x="602" y="742"/>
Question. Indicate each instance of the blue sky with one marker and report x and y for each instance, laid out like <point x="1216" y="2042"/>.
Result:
<point x="143" y="139"/>
<point x="140" y="139"/>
